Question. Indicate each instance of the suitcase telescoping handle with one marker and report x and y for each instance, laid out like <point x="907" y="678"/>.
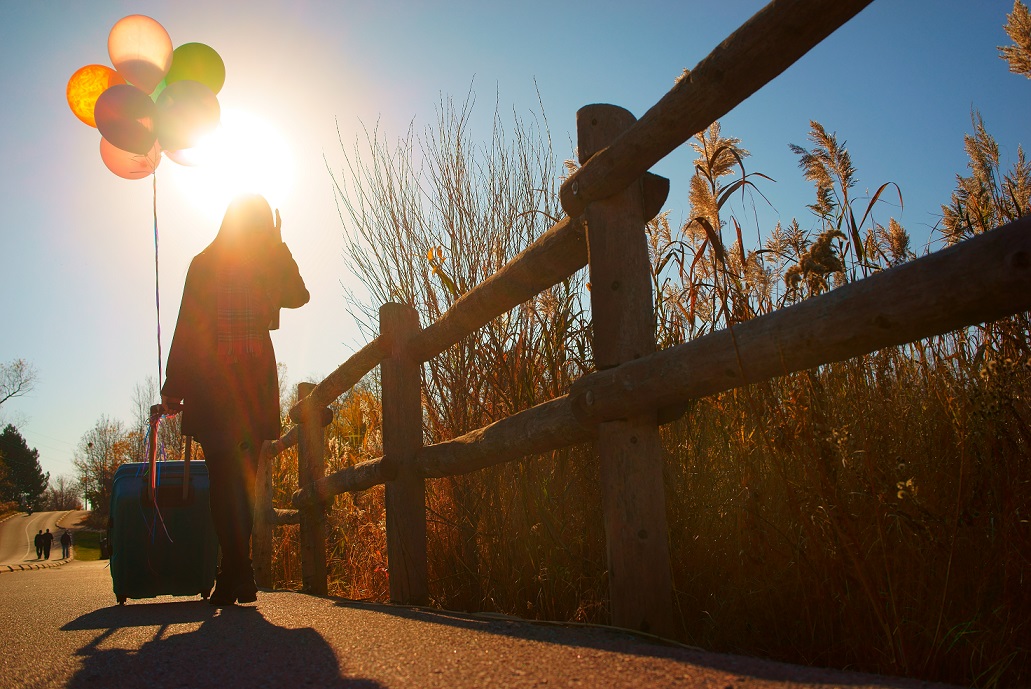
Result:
<point x="156" y="412"/>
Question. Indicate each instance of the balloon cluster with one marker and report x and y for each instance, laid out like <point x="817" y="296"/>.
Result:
<point x="155" y="99"/>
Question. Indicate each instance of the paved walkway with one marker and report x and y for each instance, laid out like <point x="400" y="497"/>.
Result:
<point x="17" y="552"/>
<point x="63" y="629"/>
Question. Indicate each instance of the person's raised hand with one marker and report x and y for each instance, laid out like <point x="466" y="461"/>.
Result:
<point x="171" y="404"/>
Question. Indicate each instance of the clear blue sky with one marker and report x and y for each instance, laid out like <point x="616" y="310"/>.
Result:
<point x="897" y="84"/>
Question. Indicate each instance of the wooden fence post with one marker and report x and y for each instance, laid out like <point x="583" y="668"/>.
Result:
<point x="402" y="438"/>
<point x="311" y="466"/>
<point x="261" y="536"/>
<point x="630" y="451"/>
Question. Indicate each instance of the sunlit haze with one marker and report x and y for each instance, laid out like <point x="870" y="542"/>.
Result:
<point x="245" y="154"/>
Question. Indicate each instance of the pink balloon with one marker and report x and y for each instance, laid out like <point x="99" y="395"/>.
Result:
<point x="126" y="116"/>
<point x="184" y="156"/>
<point x="127" y="164"/>
<point x="140" y="50"/>
<point x="187" y="112"/>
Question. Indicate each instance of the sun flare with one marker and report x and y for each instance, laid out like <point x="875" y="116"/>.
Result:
<point x="245" y="154"/>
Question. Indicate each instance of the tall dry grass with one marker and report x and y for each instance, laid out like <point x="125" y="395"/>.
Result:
<point x="872" y="514"/>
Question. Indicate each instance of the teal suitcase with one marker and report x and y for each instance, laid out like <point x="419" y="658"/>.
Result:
<point x="161" y="544"/>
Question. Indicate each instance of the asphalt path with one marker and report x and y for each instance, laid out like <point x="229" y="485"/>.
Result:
<point x="17" y="533"/>
<point x="62" y="628"/>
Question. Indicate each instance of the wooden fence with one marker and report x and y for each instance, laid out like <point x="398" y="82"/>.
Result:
<point x="635" y="389"/>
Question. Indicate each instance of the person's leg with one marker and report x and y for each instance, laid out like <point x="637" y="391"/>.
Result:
<point x="218" y="456"/>
<point x="231" y="467"/>
<point x="249" y="451"/>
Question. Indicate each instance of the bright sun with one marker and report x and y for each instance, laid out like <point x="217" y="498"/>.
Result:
<point x="245" y="154"/>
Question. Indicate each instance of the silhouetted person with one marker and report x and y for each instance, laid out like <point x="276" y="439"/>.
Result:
<point x="222" y="369"/>
<point x="66" y="544"/>
<point x="38" y="540"/>
<point x="48" y="540"/>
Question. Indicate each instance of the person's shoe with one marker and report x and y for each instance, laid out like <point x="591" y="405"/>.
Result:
<point x="225" y="590"/>
<point x="246" y="589"/>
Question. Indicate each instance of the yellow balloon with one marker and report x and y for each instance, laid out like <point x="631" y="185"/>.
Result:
<point x="85" y="87"/>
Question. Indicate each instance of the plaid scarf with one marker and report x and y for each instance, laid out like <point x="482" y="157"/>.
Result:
<point x="243" y="314"/>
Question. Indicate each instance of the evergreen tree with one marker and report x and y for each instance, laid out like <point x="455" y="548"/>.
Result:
<point x="6" y="487"/>
<point x="26" y="476"/>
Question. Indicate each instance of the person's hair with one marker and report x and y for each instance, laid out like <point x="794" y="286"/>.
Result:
<point x="246" y="227"/>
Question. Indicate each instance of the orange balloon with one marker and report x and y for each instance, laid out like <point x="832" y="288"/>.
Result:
<point x="140" y="50"/>
<point x="127" y="164"/>
<point x="85" y="87"/>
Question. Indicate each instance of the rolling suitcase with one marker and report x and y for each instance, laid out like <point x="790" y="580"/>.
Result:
<point x="162" y="537"/>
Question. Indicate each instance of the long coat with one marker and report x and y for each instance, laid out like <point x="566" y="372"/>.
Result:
<point x="221" y="397"/>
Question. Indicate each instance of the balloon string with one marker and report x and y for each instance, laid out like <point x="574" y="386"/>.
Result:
<point x="157" y="290"/>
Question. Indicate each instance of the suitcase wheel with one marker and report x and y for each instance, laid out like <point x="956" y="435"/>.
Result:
<point x="121" y="600"/>
<point x="205" y="593"/>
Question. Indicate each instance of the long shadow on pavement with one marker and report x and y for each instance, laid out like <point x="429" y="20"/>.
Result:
<point x="232" y="647"/>
<point x="616" y="640"/>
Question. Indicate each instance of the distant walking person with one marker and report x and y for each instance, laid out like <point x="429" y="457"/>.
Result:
<point x="66" y="544"/>
<point x="222" y="369"/>
<point x="39" y="545"/>
<point x="48" y="540"/>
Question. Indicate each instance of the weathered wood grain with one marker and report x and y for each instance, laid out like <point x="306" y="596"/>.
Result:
<point x="405" y="495"/>
<point x="343" y="378"/>
<point x="288" y="439"/>
<point x="311" y="466"/>
<point x="282" y="517"/>
<point x="546" y="427"/>
<point x="981" y="279"/>
<point x="550" y="259"/>
<point x="629" y="451"/>
<point x="261" y="534"/>
<point x="352" y="479"/>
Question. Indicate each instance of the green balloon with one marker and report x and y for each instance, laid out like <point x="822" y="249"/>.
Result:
<point x="197" y="62"/>
<point x="156" y="93"/>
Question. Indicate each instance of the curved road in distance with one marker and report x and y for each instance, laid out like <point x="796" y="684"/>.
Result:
<point x="17" y="532"/>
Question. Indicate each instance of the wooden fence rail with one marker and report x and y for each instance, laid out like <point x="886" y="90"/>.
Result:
<point x="982" y="279"/>
<point x="635" y="389"/>
<point x="979" y="280"/>
<point x="762" y="48"/>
